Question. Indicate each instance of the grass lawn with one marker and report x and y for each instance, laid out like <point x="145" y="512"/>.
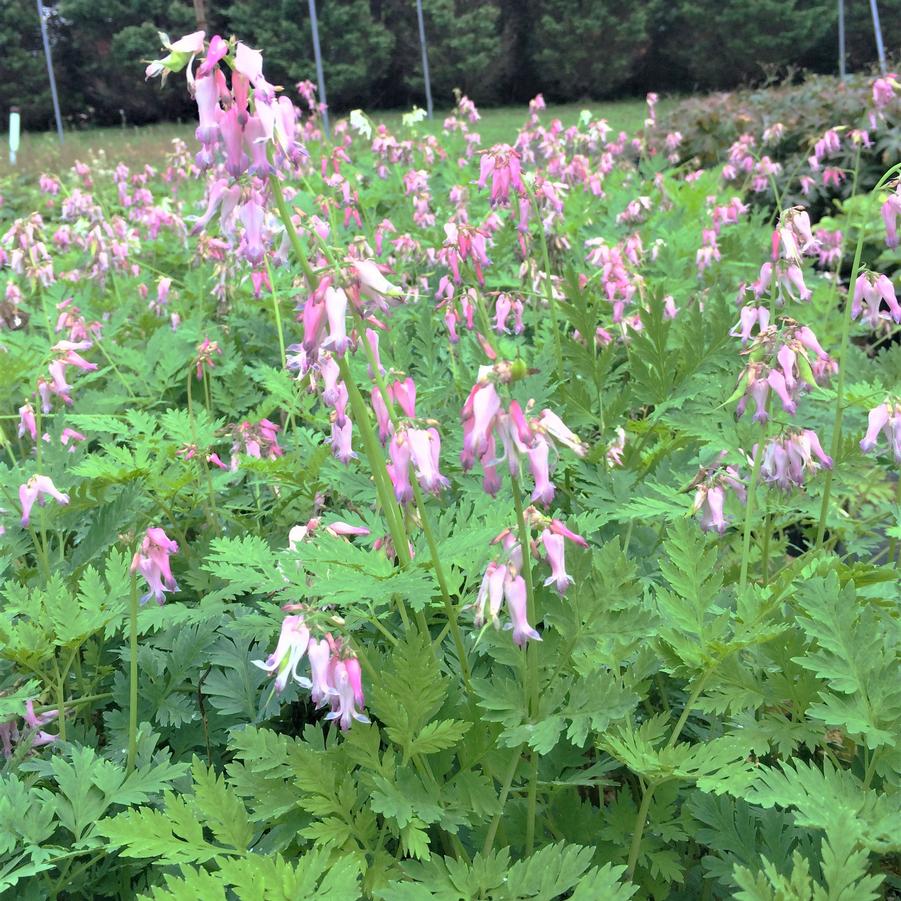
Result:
<point x="40" y="152"/>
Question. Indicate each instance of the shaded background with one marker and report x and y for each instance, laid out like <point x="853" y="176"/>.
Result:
<point x="496" y="51"/>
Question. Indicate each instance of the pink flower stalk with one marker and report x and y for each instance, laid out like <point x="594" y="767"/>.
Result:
<point x="289" y="652"/>
<point x="10" y="734"/>
<point x="373" y="285"/>
<point x="872" y="289"/>
<point x="885" y="418"/>
<point x="181" y="54"/>
<point x="399" y="467"/>
<point x="152" y="561"/>
<point x="37" y="489"/>
<point x="789" y="282"/>
<point x="404" y="395"/>
<point x="341" y="440"/>
<point x="502" y="164"/>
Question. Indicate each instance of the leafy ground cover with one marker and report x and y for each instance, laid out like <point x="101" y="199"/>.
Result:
<point x="396" y="517"/>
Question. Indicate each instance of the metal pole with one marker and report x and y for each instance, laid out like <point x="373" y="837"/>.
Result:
<point x="880" y="47"/>
<point x="320" y="77"/>
<point x="841" y="40"/>
<point x="46" y="40"/>
<point x="425" y="58"/>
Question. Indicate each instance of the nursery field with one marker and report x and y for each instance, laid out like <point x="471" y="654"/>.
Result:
<point x="138" y="145"/>
<point x="504" y="507"/>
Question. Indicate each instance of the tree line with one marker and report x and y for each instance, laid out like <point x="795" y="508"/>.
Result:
<point x="496" y="51"/>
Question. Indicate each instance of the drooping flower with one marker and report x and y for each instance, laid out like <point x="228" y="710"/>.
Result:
<point x="885" y="418"/>
<point x="36" y="489"/>
<point x="870" y="290"/>
<point x="152" y="561"/>
<point x="289" y="652"/>
<point x="788" y="459"/>
<point x="503" y="166"/>
<point x="516" y="597"/>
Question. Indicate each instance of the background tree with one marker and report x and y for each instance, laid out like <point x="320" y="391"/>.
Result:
<point x="356" y="47"/>
<point x="586" y="48"/>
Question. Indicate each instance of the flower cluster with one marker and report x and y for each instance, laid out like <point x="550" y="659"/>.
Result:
<point x="503" y="582"/>
<point x="335" y="676"/>
<point x="789" y="458"/>
<point x="778" y="360"/>
<point x="492" y="434"/>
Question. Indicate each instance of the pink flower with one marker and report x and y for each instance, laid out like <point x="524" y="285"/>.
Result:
<point x="515" y="594"/>
<point x="491" y="595"/>
<point x="425" y="454"/>
<point x="152" y="561"/>
<point x="538" y="464"/>
<point x="890" y="210"/>
<point x="885" y="418"/>
<point x="36" y="489"/>
<point x="554" y="548"/>
<point x="27" y="422"/>
<point x="289" y="652"/>
<point x="871" y="289"/>
<point x="336" y="311"/>
<point x="319" y="653"/>
<point x="345" y="679"/>
<point x="502" y="165"/>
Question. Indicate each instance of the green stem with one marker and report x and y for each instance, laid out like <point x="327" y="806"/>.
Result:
<point x="423" y="516"/>
<point x="893" y="543"/>
<point x="133" y="675"/>
<point x="642" y="817"/>
<point x="531" y="648"/>
<point x="60" y="700"/>
<point x="749" y="510"/>
<point x="531" y="658"/>
<point x="532" y="805"/>
<point x="546" y="281"/>
<point x="449" y="608"/>
<point x="765" y="549"/>
<point x="502" y="801"/>
<point x="278" y="315"/>
<point x="284" y="214"/>
<point x="383" y="487"/>
<point x="843" y="353"/>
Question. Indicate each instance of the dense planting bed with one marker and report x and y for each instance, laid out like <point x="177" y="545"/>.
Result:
<point x="389" y="515"/>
